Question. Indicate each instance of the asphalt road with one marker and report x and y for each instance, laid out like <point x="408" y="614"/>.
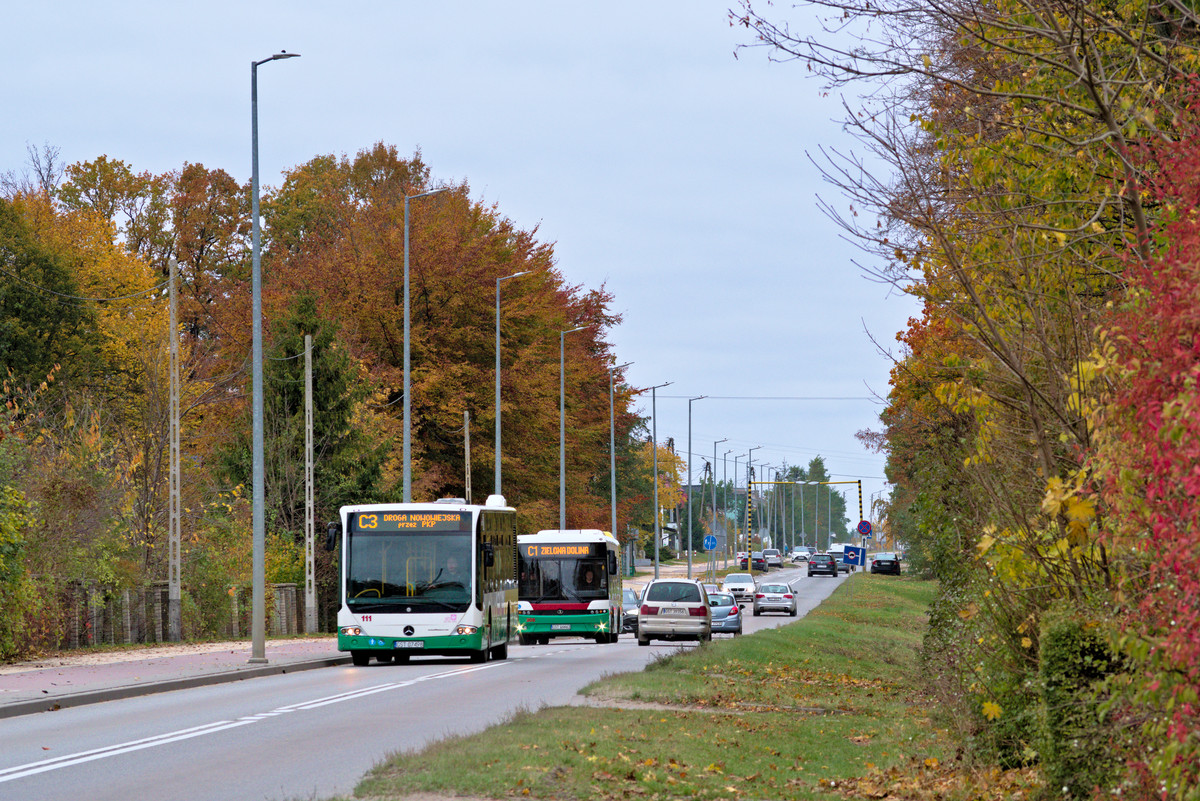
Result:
<point x="303" y="735"/>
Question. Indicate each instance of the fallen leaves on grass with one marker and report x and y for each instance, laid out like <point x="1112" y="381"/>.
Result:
<point x="929" y="780"/>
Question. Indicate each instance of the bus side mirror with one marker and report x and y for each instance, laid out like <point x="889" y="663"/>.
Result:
<point x="489" y="555"/>
<point x="333" y="533"/>
<point x="612" y="563"/>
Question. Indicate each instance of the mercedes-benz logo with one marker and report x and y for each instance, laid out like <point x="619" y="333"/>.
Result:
<point x="409" y="631"/>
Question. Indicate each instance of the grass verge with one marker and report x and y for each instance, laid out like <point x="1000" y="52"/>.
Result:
<point x="830" y="703"/>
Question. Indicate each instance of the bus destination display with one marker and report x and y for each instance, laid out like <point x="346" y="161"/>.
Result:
<point x="411" y="521"/>
<point x="561" y="549"/>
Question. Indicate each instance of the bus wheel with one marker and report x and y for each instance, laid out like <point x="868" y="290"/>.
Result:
<point x="360" y="658"/>
<point x="501" y="651"/>
<point x="525" y="639"/>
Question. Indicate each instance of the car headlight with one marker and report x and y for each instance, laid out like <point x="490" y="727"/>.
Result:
<point x="350" y="631"/>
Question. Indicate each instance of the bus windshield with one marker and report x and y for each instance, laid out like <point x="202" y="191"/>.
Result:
<point x="413" y="571"/>
<point x="565" y="579"/>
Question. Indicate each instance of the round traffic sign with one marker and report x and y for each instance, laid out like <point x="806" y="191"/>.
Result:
<point x="710" y="542"/>
<point x="864" y="527"/>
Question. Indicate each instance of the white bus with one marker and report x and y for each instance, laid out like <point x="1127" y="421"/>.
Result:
<point x="570" y="586"/>
<point x="428" y="578"/>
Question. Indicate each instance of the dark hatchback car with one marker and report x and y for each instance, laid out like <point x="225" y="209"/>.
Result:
<point x="886" y="563"/>
<point x="822" y="563"/>
<point x="757" y="562"/>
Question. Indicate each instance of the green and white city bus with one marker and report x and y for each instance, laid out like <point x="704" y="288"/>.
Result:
<point x="570" y="586"/>
<point x="428" y="578"/>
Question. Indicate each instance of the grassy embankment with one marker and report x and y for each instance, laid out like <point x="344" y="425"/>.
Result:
<point x="830" y="704"/>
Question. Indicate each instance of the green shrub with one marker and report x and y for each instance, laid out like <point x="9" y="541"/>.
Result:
<point x="16" y="588"/>
<point x="1075" y="658"/>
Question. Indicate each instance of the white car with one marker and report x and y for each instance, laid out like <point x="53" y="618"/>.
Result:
<point x="773" y="556"/>
<point x="740" y="585"/>
<point x="800" y="556"/>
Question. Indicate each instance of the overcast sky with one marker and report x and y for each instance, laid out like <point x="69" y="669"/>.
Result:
<point x="658" y="163"/>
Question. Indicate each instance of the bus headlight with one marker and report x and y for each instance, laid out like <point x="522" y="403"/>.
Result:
<point x="466" y="629"/>
<point x="350" y="631"/>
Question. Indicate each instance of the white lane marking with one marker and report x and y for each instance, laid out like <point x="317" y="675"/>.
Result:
<point x="41" y="766"/>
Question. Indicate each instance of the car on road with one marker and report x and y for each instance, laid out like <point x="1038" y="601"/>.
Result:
<point x="822" y="563"/>
<point x="756" y="561"/>
<point x="774" y="598"/>
<point x="726" y="614"/>
<point x="674" y="609"/>
<point x="773" y="556"/>
<point x="800" y="556"/>
<point x="711" y="588"/>
<point x="886" y="562"/>
<point x="740" y="585"/>
<point x="838" y="551"/>
<point x="631" y="599"/>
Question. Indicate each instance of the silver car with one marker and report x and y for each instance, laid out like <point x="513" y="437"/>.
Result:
<point x="674" y="609"/>
<point x="774" y="598"/>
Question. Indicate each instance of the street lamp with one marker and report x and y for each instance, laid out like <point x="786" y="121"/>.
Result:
<point x="498" y="431"/>
<point x="562" y="427"/>
<point x="725" y="498"/>
<point x="737" y="523"/>
<point x="714" y="498"/>
<point x="689" y="487"/>
<point x="612" y="448"/>
<point x="258" y="648"/>
<point x="407" y="354"/>
<point x="654" y="450"/>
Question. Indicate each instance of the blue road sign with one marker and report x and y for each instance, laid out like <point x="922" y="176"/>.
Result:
<point x="710" y="542"/>
<point x="864" y="527"/>
<point x="854" y="555"/>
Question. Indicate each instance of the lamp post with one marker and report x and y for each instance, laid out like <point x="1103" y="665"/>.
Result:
<point x="654" y="450"/>
<point x="689" y="486"/>
<point x="407" y="354"/>
<point x="725" y="498"/>
<point x="612" y="448"/>
<point x="498" y="429"/>
<point x="749" y="506"/>
<point x="714" y="498"/>
<point x="562" y="426"/>
<point x="736" y="517"/>
<point x="258" y="648"/>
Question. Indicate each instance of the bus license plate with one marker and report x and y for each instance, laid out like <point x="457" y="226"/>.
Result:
<point x="560" y="626"/>
<point x="409" y="644"/>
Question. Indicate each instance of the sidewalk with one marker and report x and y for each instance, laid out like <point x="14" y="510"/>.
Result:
<point x="74" y="679"/>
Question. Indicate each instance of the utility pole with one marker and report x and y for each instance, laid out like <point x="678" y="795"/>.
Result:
<point x="310" y="530"/>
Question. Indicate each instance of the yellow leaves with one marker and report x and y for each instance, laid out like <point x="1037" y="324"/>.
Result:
<point x="969" y="611"/>
<point x="991" y="710"/>
<point x="1026" y="642"/>
<point x="1053" y="499"/>
<point x="985" y="544"/>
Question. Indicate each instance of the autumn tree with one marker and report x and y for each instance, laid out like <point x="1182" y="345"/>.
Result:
<point x="337" y="227"/>
<point x="1005" y="187"/>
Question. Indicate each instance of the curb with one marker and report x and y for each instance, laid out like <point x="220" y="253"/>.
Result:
<point x="55" y="703"/>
